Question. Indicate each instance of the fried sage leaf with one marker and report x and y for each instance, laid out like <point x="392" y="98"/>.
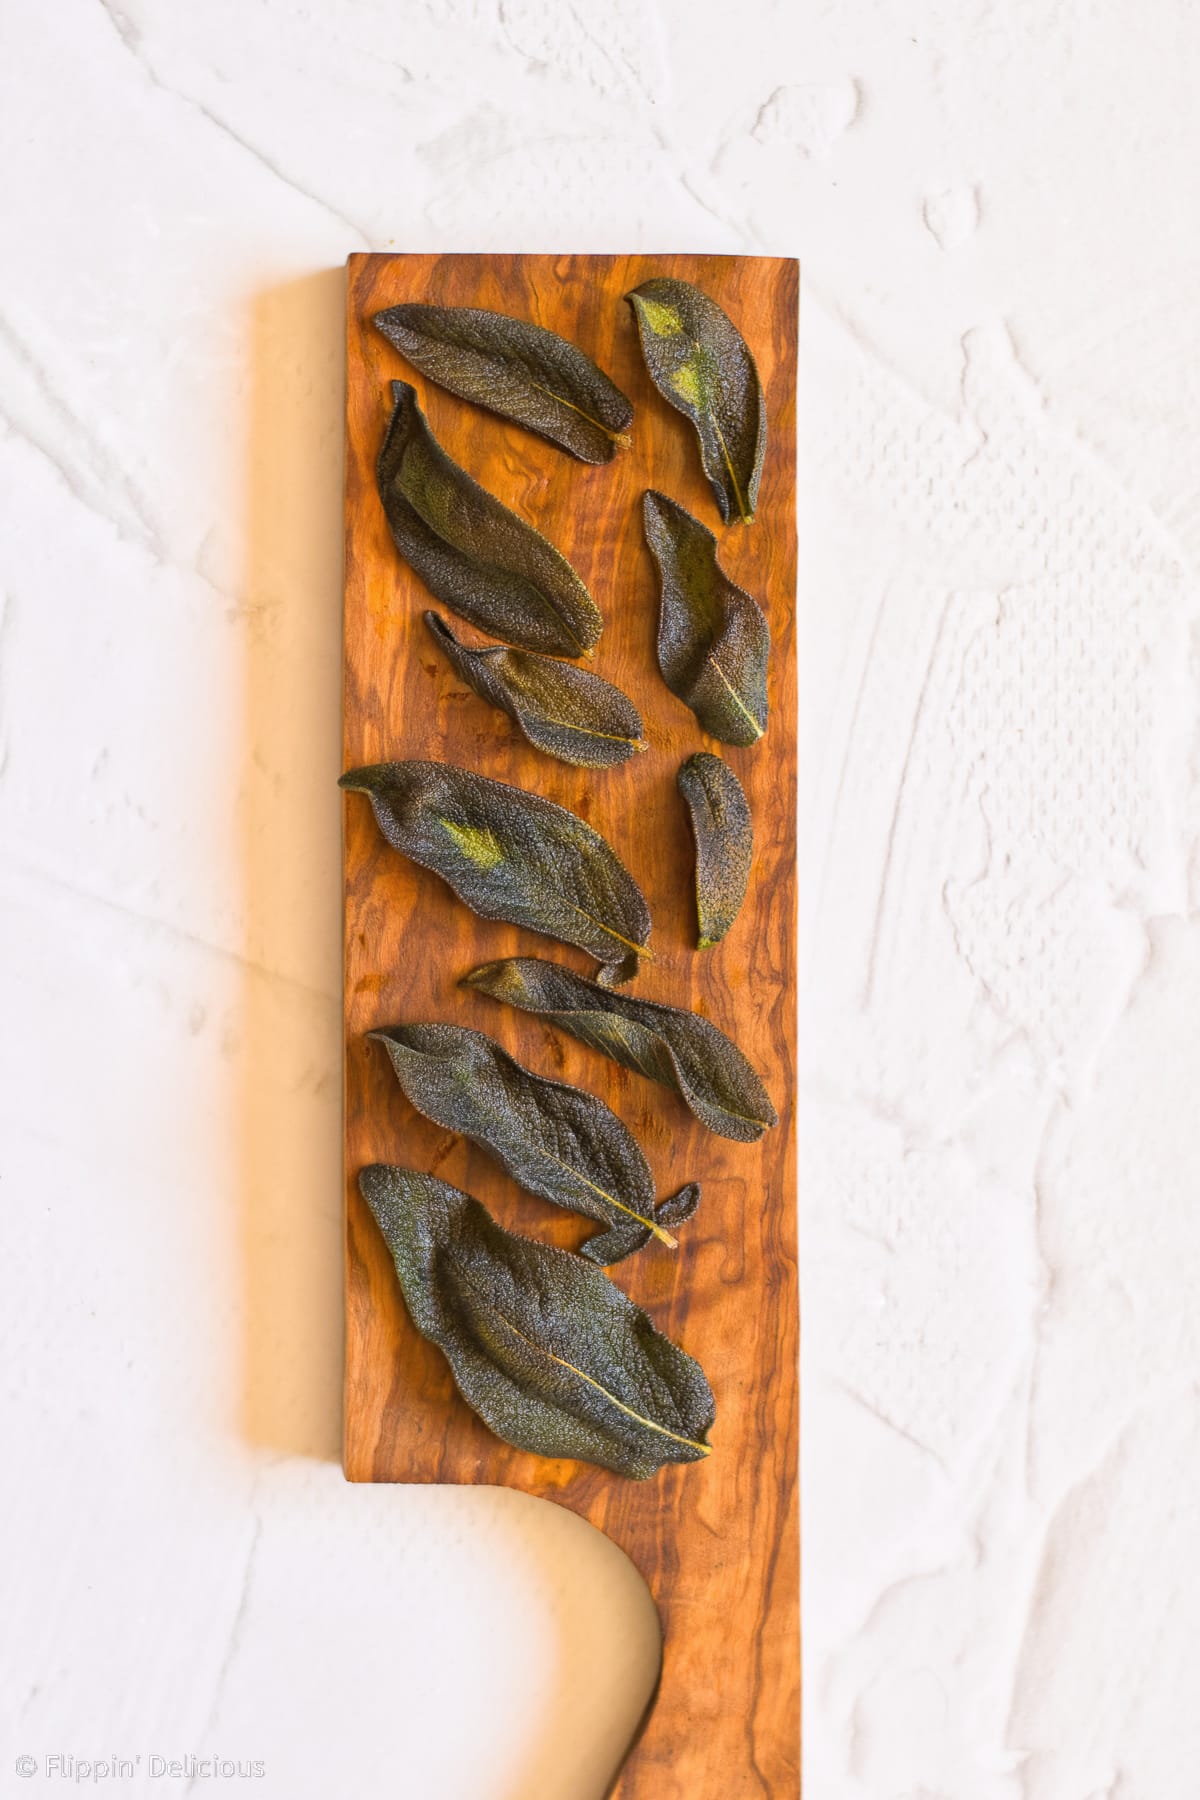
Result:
<point x="713" y="640"/>
<point x="699" y="362"/>
<point x="554" y="1139"/>
<point x="512" y="855"/>
<point x="517" y="370"/>
<point x="551" y="1354"/>
<point x="471" y="552"/>
<point x="680" y="1049"/>
<point x="567" y="712"/>
<point x="724" y="837"/>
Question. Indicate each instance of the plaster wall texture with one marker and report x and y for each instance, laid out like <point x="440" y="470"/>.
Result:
<point x="1000" y="812"/>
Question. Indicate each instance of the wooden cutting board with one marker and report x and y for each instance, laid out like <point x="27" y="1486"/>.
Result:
<point x="717" y="1541"/>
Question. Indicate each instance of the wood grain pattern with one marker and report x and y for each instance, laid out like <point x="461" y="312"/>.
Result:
<point x="718" y="1542"/>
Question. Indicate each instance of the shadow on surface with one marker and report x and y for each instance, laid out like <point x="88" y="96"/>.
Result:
<point x="290" y="831"/>
<point x="607" y="1653"/>
<point x="570" y="1630"/>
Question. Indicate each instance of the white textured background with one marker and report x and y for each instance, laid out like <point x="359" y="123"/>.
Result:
<point x="995" y="205"/>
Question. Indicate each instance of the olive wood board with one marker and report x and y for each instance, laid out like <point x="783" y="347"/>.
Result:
<point x="716" y="1541"/>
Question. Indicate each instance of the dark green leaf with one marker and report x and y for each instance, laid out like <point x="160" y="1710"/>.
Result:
<point x="567" y="712"/>
<point x="724" y="835"/>
<point x="552" y="1356"/>
<point x="517" y="370"/>
<point x="699" y="362"/>
<point x="512" y="855"/>
<point x="713" y="640"/>
<point x="680" y="1049"/>
<point x="471" y="552"/>
<point x="555" y="1140"/>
